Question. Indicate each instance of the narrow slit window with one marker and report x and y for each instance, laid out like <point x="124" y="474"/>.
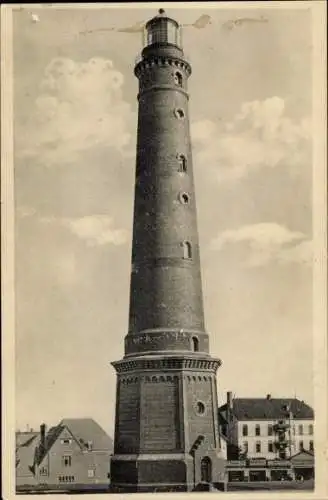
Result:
<point x="178" y="78"/>
<point x="182" y="163"/>
<point x="186" y="250"/>
<point x="195" y="344"/>
<point x="200" y="408"/>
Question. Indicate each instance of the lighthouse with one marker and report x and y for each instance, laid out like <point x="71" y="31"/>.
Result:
<point x="166" y="423"/>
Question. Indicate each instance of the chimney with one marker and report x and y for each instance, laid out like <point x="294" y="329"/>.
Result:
<point x="268" y="397"/>
<point x="42" y="436"/>
<point x="229" y="400"/>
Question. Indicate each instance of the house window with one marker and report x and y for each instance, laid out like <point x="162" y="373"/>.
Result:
<point x="300" y="430"/>
<point x="179" y="113"/>
<point x="67" y="460"/>
<point x="91" y="473"/>
<point x="186" y="250"/>
<point x="182" y="163"/>
<point x="257" y="430"/>
<point x="258" y="447"/>
<point x="195" y="344"/>
<point x="245" y="446"/>
<point x="301" y="446"/>
<point x="270" y="429"/>
<point x="178" y="78"/>
<point x="270" y="447"/>
<point x="66" y="479"/>
<point x="245" y="430"/>
<point x="310" y="429"/>
<point x="43" y="471"/>
<point x="66" y="441"/>
<point x="311" y="446"/>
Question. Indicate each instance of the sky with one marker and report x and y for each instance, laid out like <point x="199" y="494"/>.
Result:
<point x="75" y="116"/>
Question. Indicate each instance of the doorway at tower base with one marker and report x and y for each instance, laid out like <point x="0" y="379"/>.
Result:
<point x="156" y="473"/>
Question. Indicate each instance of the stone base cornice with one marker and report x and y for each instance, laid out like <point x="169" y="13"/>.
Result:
<point x="167" y="363"/>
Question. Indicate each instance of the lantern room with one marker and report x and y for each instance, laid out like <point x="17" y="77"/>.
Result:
<point x="162" y="30"/>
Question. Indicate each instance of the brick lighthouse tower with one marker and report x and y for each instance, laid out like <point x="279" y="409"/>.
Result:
<point x="166" y="426"/>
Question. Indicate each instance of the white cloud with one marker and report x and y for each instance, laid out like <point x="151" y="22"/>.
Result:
<point x="80" y="106"/>
<point x="259" y="136"/>
<point x="95" y="230"/>
<point x="25" y="211"/>
<point x="267" y="242"/>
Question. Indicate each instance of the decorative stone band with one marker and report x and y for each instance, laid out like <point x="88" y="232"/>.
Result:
<point x="150" y="62"/>
<point x="162" y="86"/>
<point x="155" y="379"/>
<point x="162" y="262"/>
<point x="165" y="340"/>
<point x="157" y="363"/>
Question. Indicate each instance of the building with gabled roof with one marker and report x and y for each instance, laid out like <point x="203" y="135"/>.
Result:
<point x="26" y="444"/>
<point x="267" y="431"/>
<point x="269" y="408"/>
<point x="73" y="454"/>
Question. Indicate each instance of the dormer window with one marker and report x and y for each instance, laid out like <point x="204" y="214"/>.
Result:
<point x="178" y="78"/>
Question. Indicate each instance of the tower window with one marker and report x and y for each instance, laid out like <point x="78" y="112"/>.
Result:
<point x="179" y="113"/>
<point x="182" y="163"/>
<point x="184" y="198"/>
<point x="186" y="250"/>
<point x="195" y="344"/>
<point x="178" y="78"/>
<point x="200" y="408"/>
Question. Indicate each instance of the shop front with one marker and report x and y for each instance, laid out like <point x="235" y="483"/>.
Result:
<point x="280" y="470"/>
<point x="303" y="465"/>
<point x="257" y="469"/>
<point x="236" y="471"/>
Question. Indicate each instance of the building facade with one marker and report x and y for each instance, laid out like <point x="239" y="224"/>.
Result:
<point x="26" y="444"/>
<point x="166" y="430"/>
<point x="268" y="433"/>
<point x="72" y="455"/>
